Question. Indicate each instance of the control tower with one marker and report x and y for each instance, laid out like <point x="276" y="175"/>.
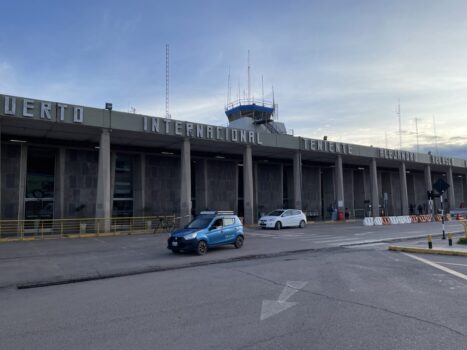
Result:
<point x="256" y="115"/>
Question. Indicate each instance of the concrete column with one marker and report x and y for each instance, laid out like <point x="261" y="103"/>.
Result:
<point x="339" y="183"/>
<point x="60" y="184"/>
<point x="451" y="193"/>
<point x="185" y="183"/>
<point x="374" y="188"/>
<point x="428" y="183"/>
<point x="248" y="185"/>
<point x="281" y="190"/>
<point x="142" y="164"/>
<point x="22" y="180"/>
<point x="139" y="181"/>
<point x="104" y="197"/>
<point x="205" y="185"/>
<point x="297" y="180"/>
<point x="404" y="193"/>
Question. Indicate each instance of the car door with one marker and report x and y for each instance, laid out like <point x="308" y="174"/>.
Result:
<point x="215" y="232"/>
<point x="229" y="229"/>
<point x="285" y="218"/>
<point x="297" y="217"/>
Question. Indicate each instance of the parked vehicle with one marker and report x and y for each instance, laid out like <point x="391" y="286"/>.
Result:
<point x="280" y="218"/>
<point x="209" y="229"/>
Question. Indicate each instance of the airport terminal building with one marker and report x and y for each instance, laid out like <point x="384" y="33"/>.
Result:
<point x="64" y="161"/>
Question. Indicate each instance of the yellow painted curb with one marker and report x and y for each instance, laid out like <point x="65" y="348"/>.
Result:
<point x="427" y="251"/>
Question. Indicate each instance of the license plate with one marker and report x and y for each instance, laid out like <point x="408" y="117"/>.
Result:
<point x="174" y="244"/>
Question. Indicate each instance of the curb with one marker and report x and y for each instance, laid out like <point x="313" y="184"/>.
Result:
<point x="427" y="251"/>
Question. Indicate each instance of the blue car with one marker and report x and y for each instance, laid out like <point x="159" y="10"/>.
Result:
<point x="209" y="229"/>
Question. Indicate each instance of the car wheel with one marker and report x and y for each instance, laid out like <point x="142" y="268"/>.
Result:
<point x="278" y="225"/>
<point x="302" y="224"/>
<point x="201" y="248"/>
<point x="238" y="242"/>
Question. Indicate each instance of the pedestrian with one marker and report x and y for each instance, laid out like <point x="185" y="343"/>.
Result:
<point x="347" y="214"/>
<point x="420" y="209"/>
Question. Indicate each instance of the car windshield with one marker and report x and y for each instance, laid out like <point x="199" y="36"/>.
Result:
<point x="276" y="213"/>
<point x="199" y="222"/>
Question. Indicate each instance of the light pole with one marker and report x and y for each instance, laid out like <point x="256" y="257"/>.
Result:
<point x="108" y="106"/>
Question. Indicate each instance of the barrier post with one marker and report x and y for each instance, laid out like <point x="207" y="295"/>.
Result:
<point x="450" y="239"/>
<point x="442" y="214"/>
<point x="430" y="242"/>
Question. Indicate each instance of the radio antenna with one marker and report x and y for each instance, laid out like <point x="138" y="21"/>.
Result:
<point x="434" y="134"/>
<point x="416" y="133"/>
<point x="167" y="78"/>
<point x="229" y="88"/>
<point x="400" y="123"/>
<point x="249" y="81"/>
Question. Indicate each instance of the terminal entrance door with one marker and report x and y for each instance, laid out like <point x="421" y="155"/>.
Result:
<point x="39" y="200"/>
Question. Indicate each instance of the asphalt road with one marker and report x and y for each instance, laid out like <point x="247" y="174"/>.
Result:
<point x="361" y="297"/>
<point x="62" y="260"/>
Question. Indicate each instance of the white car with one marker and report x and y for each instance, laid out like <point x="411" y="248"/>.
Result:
<point x="283" y="218"/>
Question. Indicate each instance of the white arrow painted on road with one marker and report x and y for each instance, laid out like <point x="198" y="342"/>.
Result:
<point x="273" y="307"/>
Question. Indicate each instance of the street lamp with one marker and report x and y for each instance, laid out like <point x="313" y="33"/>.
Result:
<point x="108" y="106"/>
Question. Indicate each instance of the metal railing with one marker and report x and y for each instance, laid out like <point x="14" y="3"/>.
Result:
<point x="85" y="227"/>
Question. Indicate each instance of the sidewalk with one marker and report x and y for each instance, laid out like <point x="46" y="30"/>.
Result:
<point x="440" y="246"/>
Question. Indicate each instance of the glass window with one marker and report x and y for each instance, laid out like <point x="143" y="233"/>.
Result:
<point x="276" y="213"/>
<point x="40" y="176"/>
<point x="202" y="221"/>
<point x="228" y="221"/>
<point x="123" y="186"/>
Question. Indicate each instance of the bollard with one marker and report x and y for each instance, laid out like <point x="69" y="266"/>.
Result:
<point x="450" y="239"/>
<point x="430" y="242"/>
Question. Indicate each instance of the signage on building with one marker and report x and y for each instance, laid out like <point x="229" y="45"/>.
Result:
<point x="327" y="146"/>
<point x="59" y="112"/>
<point x="200" y="131"/>
<point x="441" y="160"/>
<point x="396" y="155"/>
<point x="40" y="109"/>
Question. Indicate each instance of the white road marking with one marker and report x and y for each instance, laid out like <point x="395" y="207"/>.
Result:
<point x="435" y="265"/>
<point x="446" y="263"/>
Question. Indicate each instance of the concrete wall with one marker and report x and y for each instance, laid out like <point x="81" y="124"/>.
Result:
<point x="349" y="190"/>
<point x="200" y="185"/>
<point x="458" y="190"/>
<point x="10" y="159"/>
<point x="80" y="183"/>
<point x="396" y="198"/>
<point x="162" y="185"/>
<point x="288" y="183"/>
<point x="222" y="185"/>
<point x="387" y="188"/>
<point x="269" y="187"/>
<point x="360" y="195"/>
<point x="420" y="196"/>
<point x="311" y="189"/>
<point x="327" y="179"/>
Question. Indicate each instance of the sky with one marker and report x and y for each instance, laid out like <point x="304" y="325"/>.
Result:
<point x="338" y="68"/>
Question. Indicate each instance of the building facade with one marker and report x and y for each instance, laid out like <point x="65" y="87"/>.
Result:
<point x="64" y="161"/>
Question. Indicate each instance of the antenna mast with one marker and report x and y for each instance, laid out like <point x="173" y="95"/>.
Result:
<point x="249" y="81"/>
<point x="229" y="88"/>
<point x="416" y="133"/>
<point x="434" y="134"/>
<point x="167" y="78"/>
<point x="262" y="88"/>
<point x="400" y="123"/>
